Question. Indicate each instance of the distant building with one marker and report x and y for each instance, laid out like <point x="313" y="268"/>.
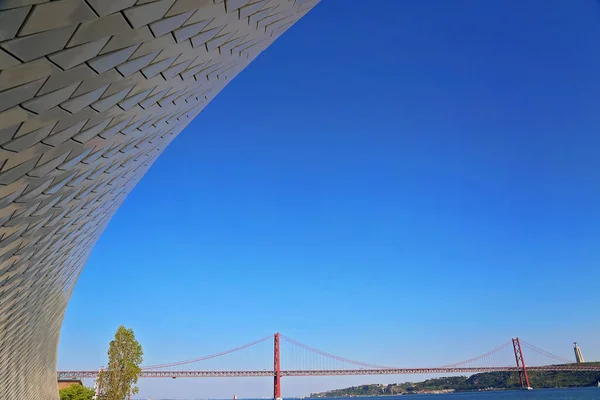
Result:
<point x="65" y="383"/>
<point x="578" y="355"/>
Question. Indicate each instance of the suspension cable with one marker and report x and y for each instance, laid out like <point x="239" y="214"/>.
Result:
<point x="545" y="353"/>
<point x="173" y="364"/>
<point x="489" y="353"/>
<point x="317" y="351"/>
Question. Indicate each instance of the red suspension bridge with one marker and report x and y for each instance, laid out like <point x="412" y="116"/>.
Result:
<point x="263" y="358"/>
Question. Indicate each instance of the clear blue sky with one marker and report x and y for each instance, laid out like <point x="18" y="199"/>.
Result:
<point x="411" y="182"/>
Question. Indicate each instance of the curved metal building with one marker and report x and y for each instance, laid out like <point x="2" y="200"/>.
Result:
<point x="91" y="92"/>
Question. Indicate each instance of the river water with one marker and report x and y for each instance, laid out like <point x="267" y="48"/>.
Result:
<point x="592" y="393"/>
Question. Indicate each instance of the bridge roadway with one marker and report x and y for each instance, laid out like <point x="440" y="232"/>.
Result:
<point x="385" y="371"/>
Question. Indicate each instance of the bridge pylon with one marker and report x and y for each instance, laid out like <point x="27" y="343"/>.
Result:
<point x="276" y="368"/>
<point x="522" y="368"/>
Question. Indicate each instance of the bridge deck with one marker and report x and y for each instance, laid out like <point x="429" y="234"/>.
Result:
<point x="384" y="371"/>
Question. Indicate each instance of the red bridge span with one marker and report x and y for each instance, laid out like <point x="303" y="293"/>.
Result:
<point x="307" y="361"/>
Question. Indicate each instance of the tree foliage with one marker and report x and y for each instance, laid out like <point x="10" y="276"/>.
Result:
<point x="124" y="358"/>
<point x="76" y="392"/>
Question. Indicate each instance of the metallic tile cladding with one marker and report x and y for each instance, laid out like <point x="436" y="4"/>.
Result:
<point x="91" y="92"/>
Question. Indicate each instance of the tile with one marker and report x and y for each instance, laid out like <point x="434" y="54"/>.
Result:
<point x="78" y="103"/>
<point x="89" y="133"/>
<point x="6" y="135"/>
<point x="244" y="45"/>
<point x="182" y="6"/>
<point x="227" y="46"/>
<point x="65" y="78"/>
<point x="30" y="47"/>
<point x="263" y="22"/>
<point x="142" y="15"/>
<point x="10" y="21"/>
<point x="213" y="14"/>
<point x="71" y="119"/>
<point x="233" y="5"/>
<point x="254" y="18"/>
<point x="164" y="102"/>
<point x="13" y="97"/>
<point x="7" y="61"/>
<point x="11" y="175"/>
<point x="114" y="129"/>
<point x="278" y="28"/>
<point x="201" y="60"/>
<point x="166" y="25"/>
<point x="101" y="28"/>
<point x="56" y="14"/>
<point x="7" y="4"/>
<point x="130" y="102"/>
<point x="215" y="42"/>
<point x="141" y="35"/>
<point x="207" y="70"/>
<point x="136" y="64"/>
<point x="108" y="61"/>
<point x="157" y="68"/>
<point x="56" y="139"/>
<point x="147" y="102"/>
<point x="170" y="72"/>
<point x="106" y="7"/>
<point x="74" y="56"/>
<point x="151" y="46"/>
<point x="251" y="8"/>
<point x="48" y="117"/>
<point x="188" y="31"/>
<point x="23" y="142"/>
<point x="47" y="168"/>
<point x="45" y="102"/>
<point x="190" y="54"/>
<point x="177" y="50"/>
<point x="214" y="74"/>
<point x="188" y="73"/>
<point x="136" y="79"/>
<point x="25" y="73"/>
<point x="205" y="36"/>
<point x="99" y="117"/>
<point x="97" y="81"/>
<point x="107" y="102"/>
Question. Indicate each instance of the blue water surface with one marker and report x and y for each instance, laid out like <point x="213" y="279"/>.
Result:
<point x="591" y="393"/>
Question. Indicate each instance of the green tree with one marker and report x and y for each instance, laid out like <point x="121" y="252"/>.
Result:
<point x="124" y="358"/>
<point x="76" y="392"/>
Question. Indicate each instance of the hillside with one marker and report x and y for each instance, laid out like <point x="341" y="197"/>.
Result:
<point x="483" y="381"/>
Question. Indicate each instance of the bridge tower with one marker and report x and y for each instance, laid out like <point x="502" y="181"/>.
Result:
<point x="276" y="368"/>
<point x="578" y="356"/>
<point x="522" y="368"/>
